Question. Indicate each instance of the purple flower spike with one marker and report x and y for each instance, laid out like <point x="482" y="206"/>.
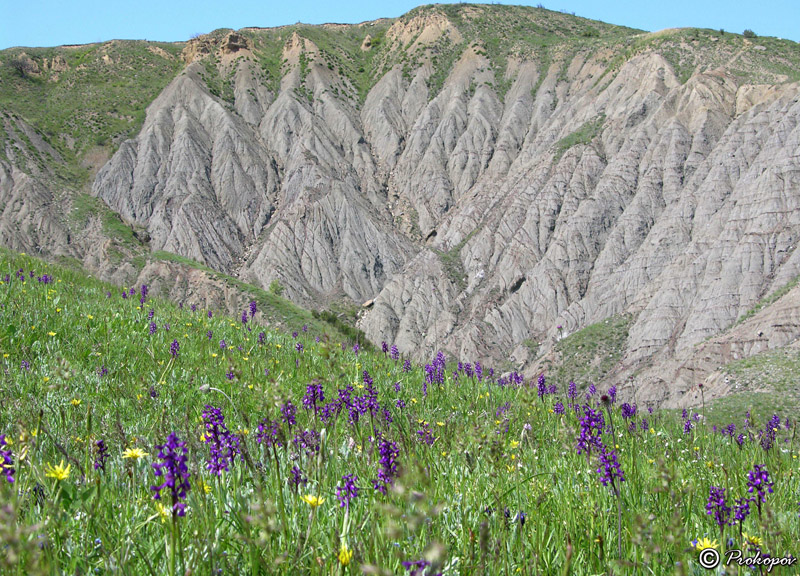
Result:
<point x="609" y="469"/>
<point x="223" y="446"/>
<point x="717" y="507"/>
<point x="759" y="483"/>
<point x="388" y="452"/>
<point x="174" y="472"/>
<point x="101" y="454"/>
<point x="7" y="459"/>
<point x="347" y="492"/>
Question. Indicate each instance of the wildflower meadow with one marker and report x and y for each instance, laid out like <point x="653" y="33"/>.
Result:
<point x="138" y="436"/>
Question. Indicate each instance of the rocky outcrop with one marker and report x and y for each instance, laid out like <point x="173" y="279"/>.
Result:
<point x="478" y="206"/>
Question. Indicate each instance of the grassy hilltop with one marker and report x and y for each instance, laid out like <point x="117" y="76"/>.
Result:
<point x="307" y="454"/>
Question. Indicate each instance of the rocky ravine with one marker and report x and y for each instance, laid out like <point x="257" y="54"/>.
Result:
<point x="480" y="210"/>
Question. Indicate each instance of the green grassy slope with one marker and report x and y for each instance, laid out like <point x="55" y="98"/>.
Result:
<point x="475" y="473"/>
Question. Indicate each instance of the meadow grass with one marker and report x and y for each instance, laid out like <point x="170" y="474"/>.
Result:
<point x="377" y="466"/>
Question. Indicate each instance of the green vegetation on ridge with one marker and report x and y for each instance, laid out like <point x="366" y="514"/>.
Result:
<point x="85" y="96"/>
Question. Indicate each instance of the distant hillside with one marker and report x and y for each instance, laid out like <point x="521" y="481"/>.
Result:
<point x="483" y="179"/>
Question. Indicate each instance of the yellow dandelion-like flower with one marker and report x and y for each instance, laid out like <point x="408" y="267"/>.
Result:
<point x="51" y="333"/>
<point x="345" y="555"/>
<point x="163" y="511"/>
<point x="313" y="501"/>
<point x="440" y="423"/>
<point x="59" y="472"/>
<point x="134" y="453"/>
<point x="213" y="354"/>
<point x="205" y="487"/>
<point x="90" y="317"/>
<point x="704" y="543"/>
<point x="75" y="402"/>
<point x="753" y="540"/>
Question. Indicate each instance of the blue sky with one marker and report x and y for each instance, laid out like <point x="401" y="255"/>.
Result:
<point x="56" y="22"/>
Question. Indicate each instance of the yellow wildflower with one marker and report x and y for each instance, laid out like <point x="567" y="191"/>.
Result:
<point x="163" y="511"/>
<point x="312" y="501"/>
<point x="704" y="543"/>
<point x="51" y="333"/>
<point x="75" y="402"/>
<point x="753" y="540"/>
<point x="134" y="453"/>
<point x="59" y="472"/>
<point x="345" y="555"/>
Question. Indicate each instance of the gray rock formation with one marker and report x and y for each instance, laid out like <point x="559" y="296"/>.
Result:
<point x="483" y="204"/>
